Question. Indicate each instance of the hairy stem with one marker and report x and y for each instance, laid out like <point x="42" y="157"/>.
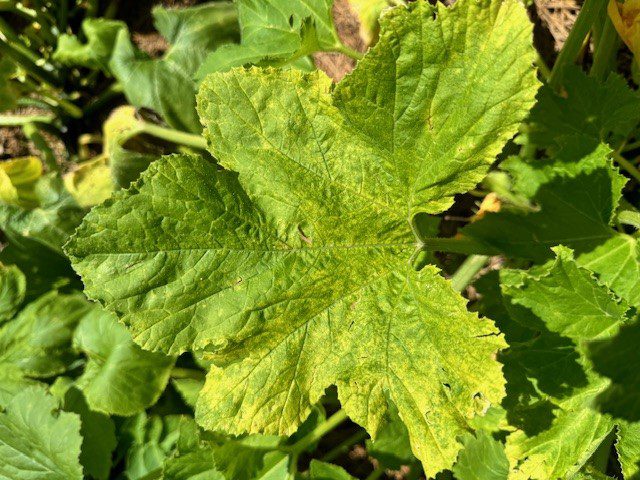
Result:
<point x="343" y="446"/>
<point x="589" y="13"/>
<point x="377" y="473"/>
<point x="467" y="271"/>
<point x="457" y="245"/>
<point x="317" y="433"/>
<point x="605" y="51"/>
<point x="32" y="133"/>
<point x="174" y="136"/>
<point x="627" y="165"/>
<point x="36" y="71"/>
<point x="18" y="121"/>
<point x="349" y="52"/>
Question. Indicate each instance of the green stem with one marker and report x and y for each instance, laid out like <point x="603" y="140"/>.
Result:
<point x="69" y="108"/>
<point x="349" y="52"/>
<point x="544" y="69"/>
<point x="63" y="15"/>
<point x="377" y="473"/>
<point x="627" y="165"/>
<point x="27" y="64"/>
<point x="343" y="446"/>
<point x="174" y="136"/>
<point x="187" y="373"/>
<point x="317" y="433"/>
<point x="589" y="13"/>
<point x="467" y="271"/>
<point x="112" y="9"/>
<point x="605" y="51"/>
<point x="17" y="121"/>
<point x="13" y="38"/>
<point x="631" y="146"/>
<point x="293" y="466"/>
<point x="103" y="99"/>
<point x="33" y="134"/>
<point x="457" y="245"/>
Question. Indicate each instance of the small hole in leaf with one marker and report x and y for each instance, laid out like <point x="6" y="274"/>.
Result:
<point x="291" y="21"/>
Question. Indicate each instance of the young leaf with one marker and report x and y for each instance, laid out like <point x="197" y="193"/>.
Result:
<point x="129" y="155"/>
<point x="612" y="111"/>
<point x="18" y="180"/>
<point x="119" y="378"/>
<point x="304" y="281"/>
<point x="276" y="32"/>
<point x="482" y="458"/>
<point x="90" y="183"/>
<point x="38" y="340"/>
<point x="13" y="289"/>
<point x="166" y="85"/>
<point x="148" y="440"/>
<point x="369" y="12"/>
<point x="37" y="441"/>
<point x="50" y="222"/>
<point x="95" y="53"/>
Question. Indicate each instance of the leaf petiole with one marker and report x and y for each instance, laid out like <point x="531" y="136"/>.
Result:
<point x="627" y="165"/>
<point x="173" y="136"/>
<point x="17" y="121"/>
<point x="456" y="245"/>
<point x="467" y="271"/>
<point x="589" y="13"/>
<point x="605" y="51"/>
<point x="316" y="434"/>
<point x="349" y="52"/>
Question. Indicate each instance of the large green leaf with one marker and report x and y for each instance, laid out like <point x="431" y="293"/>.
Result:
<point x="277" y="32"/>
<point x="119" y="378"/>
<point x="38" y="340"/>
<point x="606" y="111"/>
<point x="305" y="281"/>
<point x="97" y="430"/>
<point x="36" y="441"/>
<point x="562" y="423"/>
<point x="166" y="84"/>
<point x="576" y="194"/>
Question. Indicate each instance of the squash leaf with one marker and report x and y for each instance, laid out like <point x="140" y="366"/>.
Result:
<point x="295" y="274"/>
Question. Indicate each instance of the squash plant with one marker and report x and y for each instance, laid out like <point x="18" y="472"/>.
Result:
<point x="285" y="286"/>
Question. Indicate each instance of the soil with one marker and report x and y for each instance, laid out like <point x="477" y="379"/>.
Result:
<point x="153" y="44"/>
<point x="14" y="144"/>
<point x="137" y="13"/>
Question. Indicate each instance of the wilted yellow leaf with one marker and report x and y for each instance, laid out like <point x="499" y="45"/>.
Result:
<point x="626" y="18"/>
<point x="18" y="178"/>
